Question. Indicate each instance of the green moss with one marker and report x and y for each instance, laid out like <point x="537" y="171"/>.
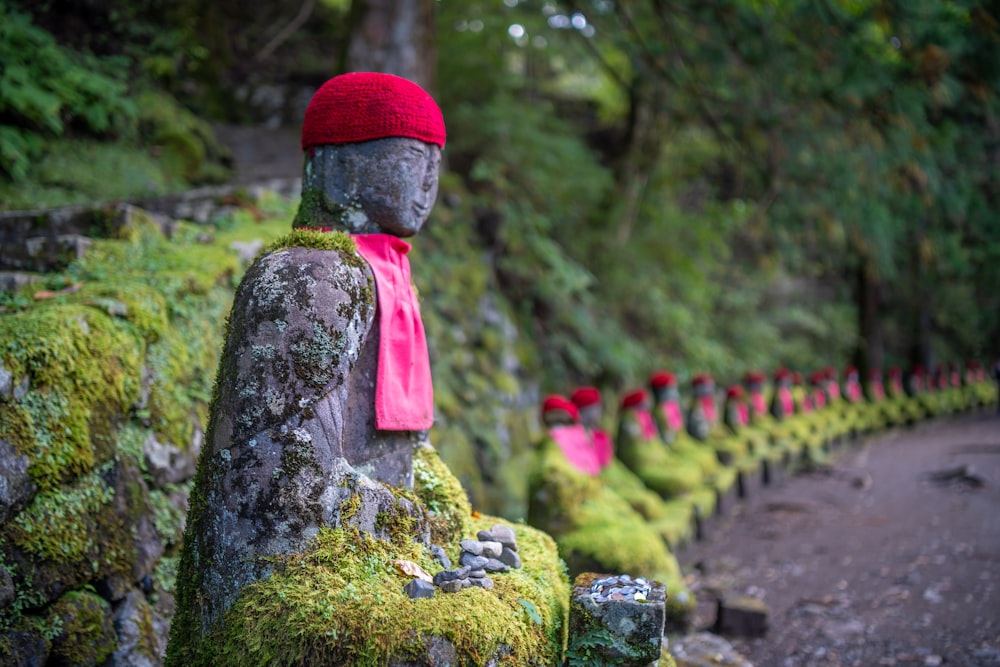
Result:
<point x="58" y="524"/>
<point x="83" y="368"/>
<point x="308" y="238"/>
<point x="442" y="494"/>
<point x="342" y="602"/>
<point x="87" y="636"/>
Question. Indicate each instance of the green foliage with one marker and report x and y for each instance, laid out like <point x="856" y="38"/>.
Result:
<point x="47" y="90"/>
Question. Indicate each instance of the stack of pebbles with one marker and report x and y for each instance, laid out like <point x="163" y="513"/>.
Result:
<point x="494" y="551"/>
<point x="622" y="587"/>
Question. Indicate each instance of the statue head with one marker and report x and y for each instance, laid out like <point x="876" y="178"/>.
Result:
<point x="588" y="400"/>
<point x="559" y="411"/>
<point x="372" y="147"/>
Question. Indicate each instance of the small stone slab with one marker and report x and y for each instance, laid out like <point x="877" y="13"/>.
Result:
<point x="418" y="588"/>
<point x="491" y="549"/>
<point x="474" y="562"/>
<point x="741" y="616"/>
<point x="635" y="627"/>
<point x="451" y="575"/>
<point x="499" y="533"/>
<point x="441" y="556"/>
<point x="483" y="582"/>
<point x="510" y="558"/>
<point x="453" y="586"/>
<point x="474" y="547"/>
<point x="494" y="565"/>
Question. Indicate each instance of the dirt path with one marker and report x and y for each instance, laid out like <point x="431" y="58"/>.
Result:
<point x="872" y="562"/>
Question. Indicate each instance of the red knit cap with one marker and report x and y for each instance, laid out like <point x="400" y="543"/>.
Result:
<point x="584" y="397"/>
<point x="662" y="379"/>
<point x="363" y="106"/>
<point x="895" y="371"/>
<point x="555" y="403"/>
<point x="782" y="374"/>
<point x="734" y="391"/>
<point x="634" y="398"/>
<point x="755" y="377"/>
<point x="700" y="379"/>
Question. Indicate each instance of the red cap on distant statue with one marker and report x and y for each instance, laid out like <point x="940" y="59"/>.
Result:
<point x="584" y="397"/>
<point x="634" y="399"/>
<point x="364" y="106"/>
<point x="662" y="379"/>
<point x="556" y="403"/>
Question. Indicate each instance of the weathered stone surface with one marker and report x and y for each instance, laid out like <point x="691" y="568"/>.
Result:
<point x="16" y="487"/>
<point x="474" y="547"/>
<point x="418" y="588"/>
<point x="494" y="565"/>
<point x="491" y="549"/>
<point x="741" y="616"/>
<point x="474" y="562"/>
<point x="139" y="645"/>
<point x="7" y="590"/>
<point x="451" y="575"/>
<point x="482" y="582"/>
<point x="454" y="586"/>
<point x="438" y="552"/>
<point x="635" y="627"/>
<point x="167" y="463"/>
<point x="29" y="648"/>
<point x="510" y="558"/>
<point x="704" y="649"/>
<point x="499" y="533"/>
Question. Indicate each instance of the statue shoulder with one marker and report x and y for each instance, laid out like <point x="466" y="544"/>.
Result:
<point x="298" y="323"/>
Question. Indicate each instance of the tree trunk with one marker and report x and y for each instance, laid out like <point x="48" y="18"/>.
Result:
<point x="871" y="352"/>
<point x="393" y="36"/>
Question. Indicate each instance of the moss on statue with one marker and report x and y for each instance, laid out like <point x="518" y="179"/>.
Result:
<point x="597" y="530"/>
<point x="341" y="600"/>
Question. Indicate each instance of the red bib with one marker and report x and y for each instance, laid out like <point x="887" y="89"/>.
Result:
<point x="575" y="444"/>
<point x="404" y="393"/>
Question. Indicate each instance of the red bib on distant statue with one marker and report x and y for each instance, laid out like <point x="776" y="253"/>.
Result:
<point x="707" y="404"/>
<point x="672" y="413"/>
<point x="404" y="393"/>
<point x="646" y="423"/>
<point x="575" y="444"/>
<point x="759" y="403"/>
<point x="604" y="450"/>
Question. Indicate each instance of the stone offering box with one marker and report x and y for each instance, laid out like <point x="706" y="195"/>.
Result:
<point x="615" y="620"/>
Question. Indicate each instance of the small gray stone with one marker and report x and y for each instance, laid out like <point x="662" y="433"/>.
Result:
<point x="493" y="565"/>
<point x="451" y="575"/>
<point x="473" y="547"/>
<point x="474" y="562"/>
<point x="501" y="534"/>
<point x="7" y="591"/>
<point x="490" y="549"/>
<point x="477" y="574"/>
<point x="418" y="588"/>
<point x="441" y="556"/>
<point x="485" y="583"/>
<point x="510" y="558"/>
<point x="453" y="586"/>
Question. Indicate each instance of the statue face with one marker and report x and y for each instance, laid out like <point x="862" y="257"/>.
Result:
<point x="396" y="182"/>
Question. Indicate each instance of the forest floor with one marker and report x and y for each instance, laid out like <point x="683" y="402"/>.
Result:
<point x="890" y="555"/>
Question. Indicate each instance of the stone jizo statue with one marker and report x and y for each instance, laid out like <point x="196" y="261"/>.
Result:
<point x="324" y="386"/>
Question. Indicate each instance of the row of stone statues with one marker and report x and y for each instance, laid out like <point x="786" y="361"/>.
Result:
<point x="318" y="497"/>
<point x="626" y="503"/>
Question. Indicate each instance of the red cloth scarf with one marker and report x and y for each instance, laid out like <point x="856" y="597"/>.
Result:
<point x="759" y="404"/>
<point x="671" y="411"/>
<point x="743" y="414"/>
<point x="646" y="424"/>
<point x="576" y="446"/>
<point x="707" y="404"/>
<point x="404" y="393"/>
<point x="604" y="449"/>
<point x="787" y="401"/>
